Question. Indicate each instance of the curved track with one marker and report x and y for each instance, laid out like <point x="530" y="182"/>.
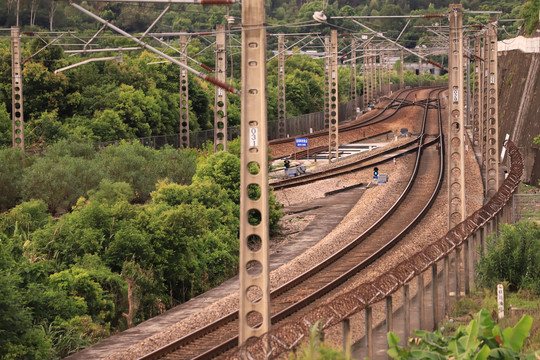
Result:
<point x="305" y="290"/>
<point x="399" y="101"/>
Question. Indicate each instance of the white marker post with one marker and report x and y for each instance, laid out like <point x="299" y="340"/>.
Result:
<point x="500" y="300"/>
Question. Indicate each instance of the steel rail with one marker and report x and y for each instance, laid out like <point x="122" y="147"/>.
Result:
<point x="344" y="168"/>
<point x="233" y="315"/>
<point x="345" y="127"/>
<point x="355" y="125"/>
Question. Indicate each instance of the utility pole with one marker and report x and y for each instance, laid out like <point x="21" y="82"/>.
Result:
<point x="353" y="72"/>
<point x="492" y="138"/>
<point x="281" y="105"/>
<point x="333" y="151"/>
<point x="220" y="99"/>
<point x="17" y="118"/>
<point x="456" y="153"/>
<point x="254" y="314"/>
<point x="326" y="108"/>
<point x="184" y="95"/>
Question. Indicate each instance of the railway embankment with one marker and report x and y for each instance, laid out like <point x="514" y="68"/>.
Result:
<point x="519" y="106"/>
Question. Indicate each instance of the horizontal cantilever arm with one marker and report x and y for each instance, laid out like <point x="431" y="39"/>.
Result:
<point x="85" y="62"/>
<point x="156" y="51"/>
<point x="202" y="2"/>
<point x="399" y="45"/>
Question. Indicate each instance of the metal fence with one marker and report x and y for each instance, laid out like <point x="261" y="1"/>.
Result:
<point x="297" y="125"/>
<point x="526" y="207"/>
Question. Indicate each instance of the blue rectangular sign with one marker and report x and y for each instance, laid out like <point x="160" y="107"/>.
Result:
<point x="301" y="142"/>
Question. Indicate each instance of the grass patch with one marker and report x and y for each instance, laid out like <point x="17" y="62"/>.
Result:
<point x="516" y="305"/>
<point x="527" y="189"/>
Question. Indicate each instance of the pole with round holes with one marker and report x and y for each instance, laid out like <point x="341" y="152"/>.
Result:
<point x="254" y="314"/>
<point x="220" y="99"/>
<point x="184" y="95"/>
<point x="456" y="153"/>
<point x="333" y="109"/>
<point x="282" y="114"/>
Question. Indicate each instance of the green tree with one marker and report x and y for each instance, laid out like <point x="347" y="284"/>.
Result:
<point x="18" y="338"/>
<point x="131" y="163"/>
<point x="13" y="161"/>
<point x="530" y="13"/>
<point x="224" y="169"/>
<point x="513" y="256"/>
<point x="5" y="126"/>
<point x="60" y="181"/>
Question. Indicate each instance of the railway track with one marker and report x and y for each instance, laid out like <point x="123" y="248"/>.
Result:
<point x="400" y="101"/>
<point x="303" y="292"/>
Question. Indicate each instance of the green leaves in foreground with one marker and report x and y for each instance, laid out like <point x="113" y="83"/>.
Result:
<point x="481" y="339"/>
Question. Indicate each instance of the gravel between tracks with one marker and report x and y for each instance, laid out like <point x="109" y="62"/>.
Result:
<point x="358" y="219"/>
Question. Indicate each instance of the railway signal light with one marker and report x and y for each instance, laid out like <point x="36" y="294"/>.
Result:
<point x="376" y="171"/>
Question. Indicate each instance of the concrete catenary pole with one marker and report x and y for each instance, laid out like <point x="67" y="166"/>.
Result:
<point x="184" y="95"/>
<point x="468" y="80"/>
<point x="388" y="73"/>
<point x="17" y="117"/>
<point x="456" y="153"/>
<point x="477" y="90"/>
<point x="492" y="142"/>
<point x="333" y="139"/>
<point x="483" y="127"/>
<point x="353" y="72"/>
<point x="326" y="107"/>
<point x="401" y="70"/>
<point x="365" y="75"/>
<point x="381" y="70"/>
<point x="220" y="99"/>
<point x="373" y="75"/>
<point x="254" y="315"/>
<point x="420" y="72"/>
<point x="282" y="114"/>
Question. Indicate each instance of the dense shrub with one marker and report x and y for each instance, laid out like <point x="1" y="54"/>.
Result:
<point x="142" y="167"/>
<point x="68" y="276"/>
<point x="513" y="256"/>
<point x="530" y="13"/>
<point x="60" y="181"/>
<point x="13" y="161"/>
<point x="224" y="169"/>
